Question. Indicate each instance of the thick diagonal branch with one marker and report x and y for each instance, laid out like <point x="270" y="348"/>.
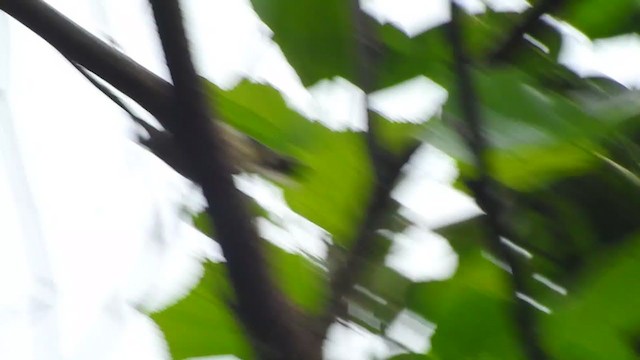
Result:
<point x="90" y="53"/>
<point x="487" y="193"/>
<point x="75" y="43"/>
<point x="276" y="328"/>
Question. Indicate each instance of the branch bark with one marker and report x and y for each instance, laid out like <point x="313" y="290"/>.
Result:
<point x="487" y="193"/>
<point x="268" y="316"/>
<point x="274" y="325"/>
<point x="386" y="167"/>
<point x="132" y="79"/>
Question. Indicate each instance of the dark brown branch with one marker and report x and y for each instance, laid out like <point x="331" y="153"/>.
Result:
<point x="347" y="274"/>
<point x="511" y="43"/>
<point x="269" y="319"/>
<point x="368" y="53"/>
<point x="487" y="193"/>
<point x="386" y="167"/>
<point x="156" y="96"/>
<point x="75" y="43"/>
<point x="160" y="143"/>
<point x="87" y="51"/>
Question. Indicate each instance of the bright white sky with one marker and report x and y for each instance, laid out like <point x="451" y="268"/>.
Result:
<point x="91" y="225"/>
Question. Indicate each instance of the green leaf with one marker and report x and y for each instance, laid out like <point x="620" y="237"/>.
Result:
<point x="472" y="310"/>
<point x="535" y="135"/>
<point x="397" y="136"/>
<point x="600" y="317"/>
<point x="382" y="293"/>
<point x="598" y="19"/>
<point x="430" y="54"/>
<point x="202" y="222"/>
<point x="333" y="187"/>
<point x="202" y="324"/>
<point x="301" y="280"/>
<point x="315" y="36"/>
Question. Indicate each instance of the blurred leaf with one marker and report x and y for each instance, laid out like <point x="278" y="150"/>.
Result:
<point x="472" y="309"/>
<point x="301" y="280"/>
<point x="202" y="324"/>
<point x="202" y="222"/>
<point x="600" y="317"/>
<point x="430" y="53"/>
<point x="535" y="135"/>
<point x="598" y="19"/>
<point x="382" y="293"/>
<point x="334" y="184"/>
<point x="315" y="36"/>
<point x="398" y="136"/>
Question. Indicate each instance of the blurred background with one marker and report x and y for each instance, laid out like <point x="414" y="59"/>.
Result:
<point x="96" y="233"/>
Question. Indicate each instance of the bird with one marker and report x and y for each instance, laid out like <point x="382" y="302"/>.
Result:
<point x="245" y="154"/>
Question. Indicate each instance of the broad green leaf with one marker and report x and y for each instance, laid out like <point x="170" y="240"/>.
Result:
<point x="598" y="19"/>
<point x="600" y="317"/>
<point x="335" y="177"/>
<point x="534" y="135"/>
<point x="472" y="310"/>
<point x="529" y="167"/>
<point x="302" y="281"/>
<point x="315" y="36"/>
<point x="202" y="323"/>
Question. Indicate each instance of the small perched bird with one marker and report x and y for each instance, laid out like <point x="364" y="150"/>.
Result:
<point x="245" y="153"/>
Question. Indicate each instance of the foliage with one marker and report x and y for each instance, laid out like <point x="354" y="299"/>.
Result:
<point x="561" y="146"/>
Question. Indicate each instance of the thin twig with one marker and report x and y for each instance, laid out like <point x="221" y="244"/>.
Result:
<point x="273" y="324"/>
<point x="487" y="194"/>
<point x="345" y="276"/>
<point x="530" y="19"/>
<point x="114" y="98"/>
<point x="368" y="53"/>
<point x="159" y="142"/>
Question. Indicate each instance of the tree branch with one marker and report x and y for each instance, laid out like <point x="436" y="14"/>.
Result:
<point x="151" y="131"/>
<point x="512" y="42"/>
<point x="158" y="142"/>
<point x="386" y="167"/>
<point x="269" y="319"/>
<point x="263" y="309"/>
<point x="89" y="54"/>
<point x="487" y="194"/>
<point x="347" y="274"/>
<point x="368" y="52"/>
<point x="147" y="89"/>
